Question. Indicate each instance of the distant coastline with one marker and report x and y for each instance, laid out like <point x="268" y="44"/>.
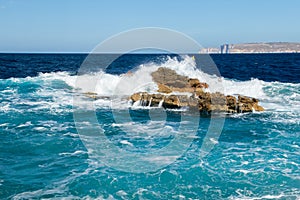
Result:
<point x="242" y="48"/>
<point x="268" y="47"/>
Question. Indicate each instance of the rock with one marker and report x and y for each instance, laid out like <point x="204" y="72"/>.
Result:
<point x="163" y="88"/>
<point x="186" y="89"/>
<point x="218" y="102"/>
<point x="248" y="104"/>
<point x="156" y="99"/>
<point x="171" y="101"/>
<point x="136" y="97"/>
<point x="231" y="103"/>
<point x="164" y="76"/>
<point x="203" y="85"/>
<point x="177" y="84"/>
<point x="218" y="99"/>
<point x="244" y="99"/>
<point x="195" y="83"/>
<point x="169" y="81"/>
<point x="204" y="102"/>
<point x="258" y="108"/>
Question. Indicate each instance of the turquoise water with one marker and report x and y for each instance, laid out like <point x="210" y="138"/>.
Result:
<point x="42" y="154"/>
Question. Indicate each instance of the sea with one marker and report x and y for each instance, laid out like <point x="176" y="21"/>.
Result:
<point x="68" y="133"/>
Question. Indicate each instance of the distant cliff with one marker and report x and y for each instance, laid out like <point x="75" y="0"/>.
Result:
<point x="270" y="47"/>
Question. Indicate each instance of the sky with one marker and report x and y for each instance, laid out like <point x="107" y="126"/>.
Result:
<point x="79" y="25"/>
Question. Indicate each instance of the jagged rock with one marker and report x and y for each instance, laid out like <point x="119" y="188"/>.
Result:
<point x="164" y="76"/>
<point x="218" y="99"/>
<point x="218" y="102"/>
<point x="195" y="83"/>
<point x="205" y="102"/>
<point x="169" y="81"/>
<point x="231" y="103"/>
<point x="177" y="84"/>
<point x="258" y="108"/>
<point x="136" y="97"/>
<point x="244" y="99"/>
<point x="171" y="101"/>
<point x="248" y="104"/>
<point x="163" y="88"/>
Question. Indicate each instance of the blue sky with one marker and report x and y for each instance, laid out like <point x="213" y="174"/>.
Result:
<point x="79" y="25"/>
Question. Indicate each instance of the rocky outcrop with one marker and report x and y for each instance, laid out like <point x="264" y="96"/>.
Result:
<point x="248" y="104"/>
<point x="206" y="102"/>
<point x="169" y="81"/>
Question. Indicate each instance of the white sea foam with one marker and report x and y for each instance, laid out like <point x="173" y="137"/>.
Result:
<point x="125" y="142"/>
<point x="121" y="193"/>
<point x="140" y="80"/>
<point x="274" y="96"/>
<point x="25" y="124"/>
<point x="40" y="128"/>
<point x="4" y="124"/>
<point x="152" y="128"/>
<point x="264" y="197"/>
<point x="72" y="153"/>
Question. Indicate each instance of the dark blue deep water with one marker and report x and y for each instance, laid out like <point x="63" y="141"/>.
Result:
<point x="58" y="143"/>
<point x="267" y="67"/>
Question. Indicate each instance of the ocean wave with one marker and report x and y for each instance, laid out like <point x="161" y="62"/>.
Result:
<point x="255" y="157"/>
<point x="54" y="91"/>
